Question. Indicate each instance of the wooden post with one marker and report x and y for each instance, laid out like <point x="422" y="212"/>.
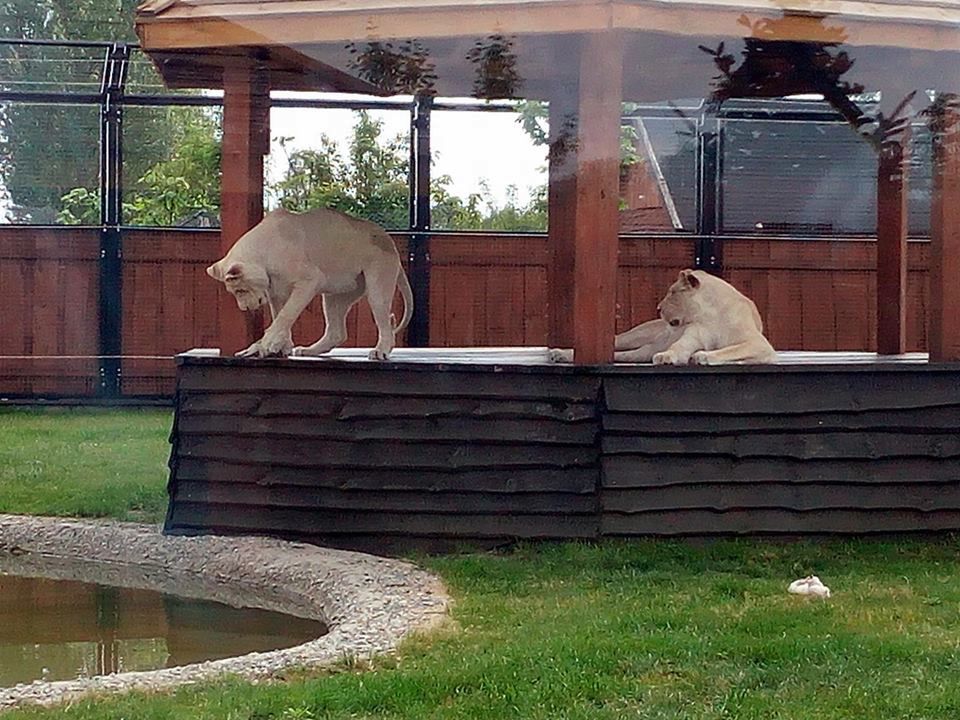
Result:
<point x="892" y="248"/>
<point x="584" y="224"/>
<point x="246" y="139"/>
<point x="944" y="331"/>
<point x="561" y="213"/>
<point x="597" y="226"/>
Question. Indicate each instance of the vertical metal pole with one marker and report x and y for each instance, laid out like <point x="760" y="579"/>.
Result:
<point x="418" y="251"/>
<point x="111" y="202"/>
<point x="709" y="205"/>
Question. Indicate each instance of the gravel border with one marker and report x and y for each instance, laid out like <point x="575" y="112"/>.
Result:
<point x="369" y="603"/>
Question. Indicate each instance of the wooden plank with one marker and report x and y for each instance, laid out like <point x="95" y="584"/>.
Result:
<point x="627" y="471"/>
<point x="246" y="139"/>
<point x="248" y="498"/>
<point x="596" y="217"/>
<point x="944" y="337"/>
<point x="576" y="480"/>
<point x="386" y="379"/>
<point x="361" y="408"/>
<point x="803" y="446"/>
<point x="892" y="218"/>
<point x="792" y="496"/>
<point x="778" y="522"/>
<point x="787" y="391"/>
<point x="907" y="420"/>
<point x="290" y="521"/>
<point x="534" y="432"/>
<point x="380" y="454"/>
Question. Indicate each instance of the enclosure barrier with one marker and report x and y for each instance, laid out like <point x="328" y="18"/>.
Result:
<point x="484" y="290"/>
<point x="442" y="452"/>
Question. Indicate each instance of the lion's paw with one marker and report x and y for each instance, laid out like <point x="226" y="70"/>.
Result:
<point x="560" y="355"/>
<point x="664" y="358"/>
<point x="377" y="354"/>
<point x="700" y="357"/>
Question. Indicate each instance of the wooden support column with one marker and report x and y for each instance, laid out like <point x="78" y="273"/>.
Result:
<point x="584" y="236"/>
<point x="892" y="248"/>
<point x="561" y="212"/>
<point x="944" y="310"/>
<point x="246" y="139"/>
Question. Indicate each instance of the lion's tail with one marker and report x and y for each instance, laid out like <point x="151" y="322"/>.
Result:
<point x="407" y="293"/>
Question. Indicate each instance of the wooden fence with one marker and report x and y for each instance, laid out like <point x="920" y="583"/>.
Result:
<point x="484" y="291"/>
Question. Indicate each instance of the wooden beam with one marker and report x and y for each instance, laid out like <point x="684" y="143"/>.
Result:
<point x="596" y="221"/>
<point x="892" y="249"/>
<point x="944" y="311"/>
<point x="561" y="213"/>
<point x="246" y="139"/>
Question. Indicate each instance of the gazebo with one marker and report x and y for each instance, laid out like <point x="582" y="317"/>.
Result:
<point x="372" y="454"/>
<point x="584" y="57"/>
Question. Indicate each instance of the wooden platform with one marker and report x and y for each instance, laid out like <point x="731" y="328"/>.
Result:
<point x="443" y="447"/>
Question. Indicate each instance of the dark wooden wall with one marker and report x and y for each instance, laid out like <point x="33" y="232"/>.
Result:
<point x="339" y="455"/>
<point x="485" y="290"/>
<point x="802" y="450"/>
<point x="421" y="455"/>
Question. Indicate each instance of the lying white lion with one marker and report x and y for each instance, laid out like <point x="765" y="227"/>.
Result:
<point x="287" y="258"/>
<point x="703" y="320"/>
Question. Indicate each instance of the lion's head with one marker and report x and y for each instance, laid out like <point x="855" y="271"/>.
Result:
<point x="683" y="302"/>
<point x="699" y="297"/>
<point x="248" y="283"/>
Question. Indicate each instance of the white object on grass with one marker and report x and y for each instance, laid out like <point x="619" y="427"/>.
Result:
<point x="810" y="585"/>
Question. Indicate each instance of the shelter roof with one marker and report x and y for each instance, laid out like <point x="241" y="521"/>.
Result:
<point x="302" y="42"/>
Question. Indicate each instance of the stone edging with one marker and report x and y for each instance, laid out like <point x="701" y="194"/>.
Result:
<point x="369" y="603"/>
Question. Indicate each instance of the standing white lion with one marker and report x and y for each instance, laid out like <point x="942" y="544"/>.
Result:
<point x="288" y="258"/>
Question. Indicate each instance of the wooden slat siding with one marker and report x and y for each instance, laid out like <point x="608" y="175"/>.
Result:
<point x="385" y="379"/>
<point x="570" y="481"/>
<point x="169" y="303"/>
<point x="755" y="521"/>
<point x="387" y="501"/>
<point x="821" y="295"/>
<point x="780" y="450"/>
<point x="334" y="449"/>
<point x="50" y="281"/>
<point x="626" y="471"/>
<point x="305" y="522"/>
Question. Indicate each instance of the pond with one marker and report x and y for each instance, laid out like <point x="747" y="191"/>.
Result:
<point x="61" y="630"/>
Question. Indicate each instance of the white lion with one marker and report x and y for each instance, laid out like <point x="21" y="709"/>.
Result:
<point x="288" y="258"/>
<point x="703" y="320"/>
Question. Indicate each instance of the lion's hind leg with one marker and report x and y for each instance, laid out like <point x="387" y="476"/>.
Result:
<point x="652" y="332"/>
<point x="335" y="309"/>
<point x="751" y="351"/>
<point x="381" y="287"/>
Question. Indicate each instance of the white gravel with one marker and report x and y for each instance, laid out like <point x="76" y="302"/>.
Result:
<point x="369" y="603"/>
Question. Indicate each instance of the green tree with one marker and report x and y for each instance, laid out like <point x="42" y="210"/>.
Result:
<point x="370" y="182"/>
<point x="49" y="154"/>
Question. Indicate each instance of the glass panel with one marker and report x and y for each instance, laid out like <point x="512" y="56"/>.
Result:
<point x="356" y="161"/>
<point x="49" y="163"/>
<point x="489" y="169"/>
<point x="171" y="166"/>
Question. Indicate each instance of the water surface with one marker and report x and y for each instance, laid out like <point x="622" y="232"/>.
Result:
<point x="60" y="630"/>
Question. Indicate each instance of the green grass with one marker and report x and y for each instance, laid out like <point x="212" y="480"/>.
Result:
<point x="84" y="462"/>
<point x="666" y="630"/>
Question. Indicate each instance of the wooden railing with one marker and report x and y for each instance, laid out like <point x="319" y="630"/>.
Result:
<point x="485" y="290"/>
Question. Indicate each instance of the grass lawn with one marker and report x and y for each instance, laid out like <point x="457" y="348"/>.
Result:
<point x="85" y="462"/>
<point x="614" y="630"/>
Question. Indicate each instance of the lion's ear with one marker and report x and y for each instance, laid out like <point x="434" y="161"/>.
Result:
<point x="690" y="279"/>
<point x="234" y="272"/>
<point x="214" y="271"/>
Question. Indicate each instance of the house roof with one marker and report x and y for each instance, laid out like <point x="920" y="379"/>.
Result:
<point x="311" y="34"/>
